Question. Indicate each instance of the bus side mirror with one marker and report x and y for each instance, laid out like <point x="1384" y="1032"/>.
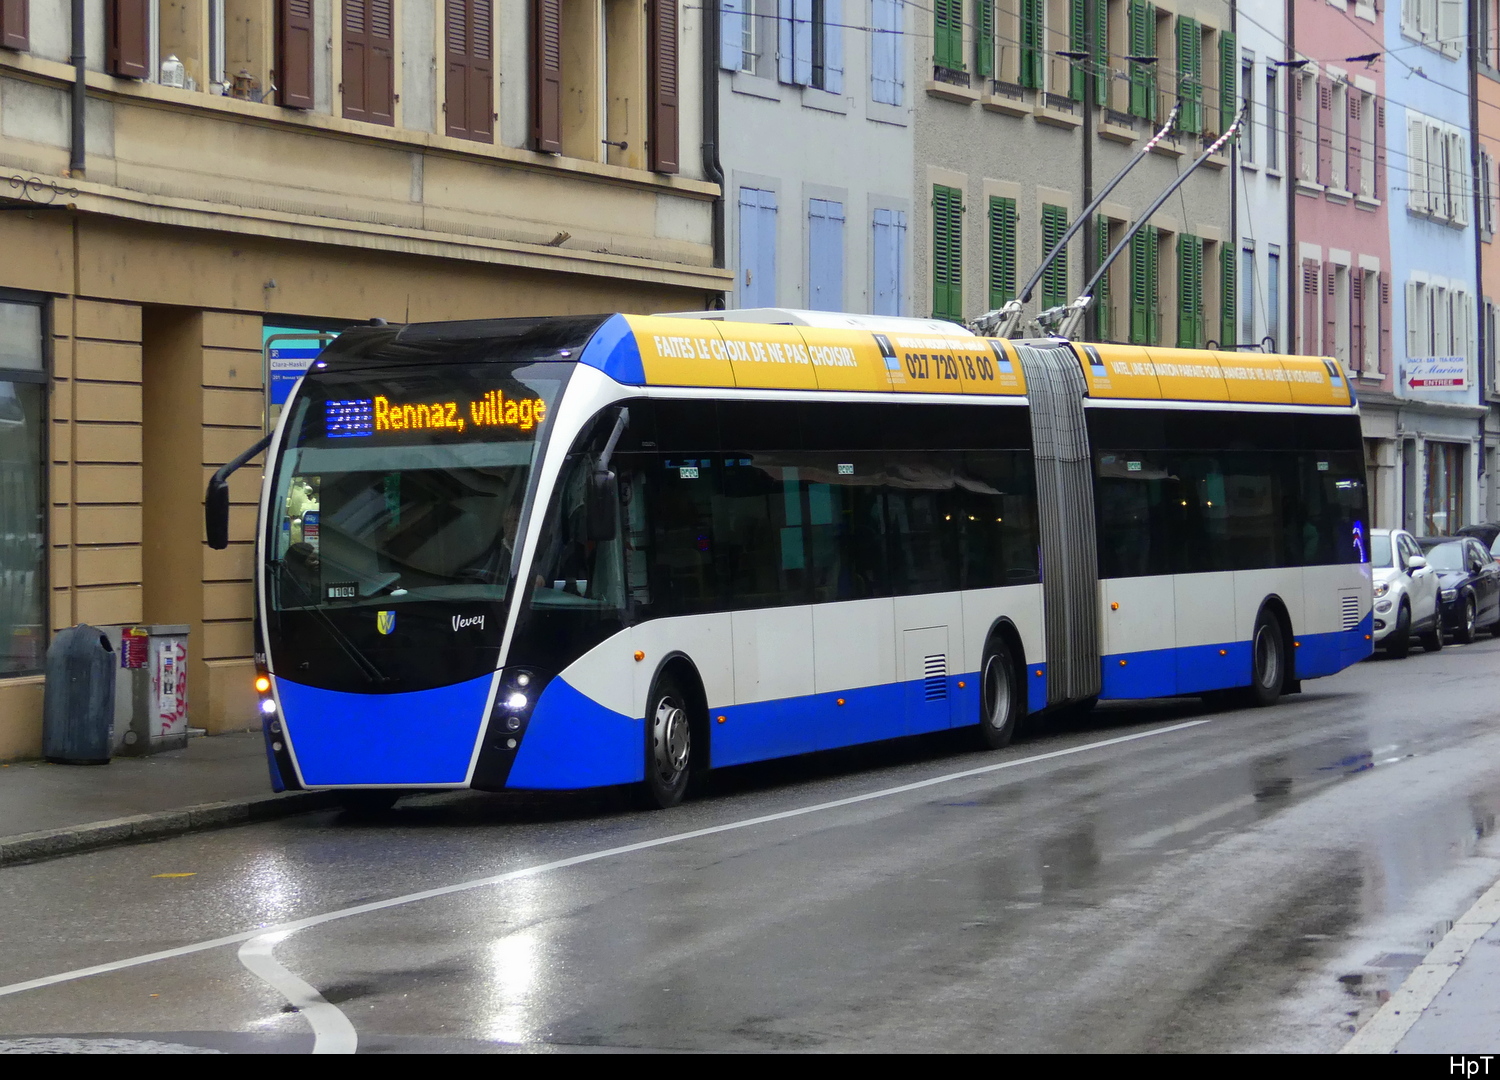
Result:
<point x="216" y="513"/>
<point x="602" y="510"/>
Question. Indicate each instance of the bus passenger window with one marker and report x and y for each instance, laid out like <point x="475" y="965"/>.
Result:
<point x="573" y="571"/>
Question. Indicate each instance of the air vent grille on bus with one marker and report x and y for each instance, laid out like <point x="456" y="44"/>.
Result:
<point x="1349" y="610"/>
<point x="935" y="677"/>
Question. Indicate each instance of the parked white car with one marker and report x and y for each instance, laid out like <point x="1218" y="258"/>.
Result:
<point x="1406" y="593"/>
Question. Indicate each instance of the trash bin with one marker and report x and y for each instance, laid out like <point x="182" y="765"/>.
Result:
<point x="154" y="659"/>
<point x="78" y="702"/>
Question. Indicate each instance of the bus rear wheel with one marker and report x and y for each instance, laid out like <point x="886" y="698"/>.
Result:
<point x="669" y="745"/>
<point x="1267" y="661"/>
<point x="999" y="698"/>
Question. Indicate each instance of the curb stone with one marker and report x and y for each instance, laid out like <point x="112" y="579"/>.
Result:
<point x="51" y="843"/>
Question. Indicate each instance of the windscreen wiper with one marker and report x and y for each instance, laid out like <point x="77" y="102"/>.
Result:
<point x="366" y="667"/>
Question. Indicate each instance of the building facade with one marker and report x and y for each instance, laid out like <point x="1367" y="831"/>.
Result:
<point x="1484" y="62"/>
<point x="1024" y="109"/>
<point x="1440" y="412"/>
<point x="213" y="172"/>
<point x="816" y="147"/>
<point x="1261" y="211"/>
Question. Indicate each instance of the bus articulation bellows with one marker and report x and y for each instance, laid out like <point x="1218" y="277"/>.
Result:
<point x="574" y="552"/>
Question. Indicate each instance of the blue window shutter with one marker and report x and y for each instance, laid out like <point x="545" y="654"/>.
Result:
<point x="765" y="295"/>
<point x="784" y="36"/>
<point x="802" y="42"/>
<point x="833" y="46"/>
<point x="825" y="255"/>
<point x="889" y="260"/>
<point x="732" y="16"/>
<point x="748" y="280"/>
<point x="899" y="225"/>
<point x="883" y="51"/>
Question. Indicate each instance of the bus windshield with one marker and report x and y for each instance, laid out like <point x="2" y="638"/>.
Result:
<point x="393" y="489"/>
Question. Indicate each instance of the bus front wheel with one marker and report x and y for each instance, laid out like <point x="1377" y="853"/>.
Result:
<point x="999" y="697"/>
<point x="669" y="744"/>
<point x="1267" y="660"/>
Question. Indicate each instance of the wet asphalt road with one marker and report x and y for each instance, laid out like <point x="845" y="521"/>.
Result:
<point x="1255" y="881"/>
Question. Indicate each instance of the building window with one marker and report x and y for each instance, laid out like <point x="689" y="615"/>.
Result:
<point x="947" y="253"/>
<point x="1189" y="292"/>
<point x="1141" y="31"/>
<point x="1003" y="224"/>
<point x="1189" y="74"/>
<point x="23" y="548"/>
<point x="757" y="277"/>
<point x="887" y="83"/>
<point x="1307" y="124"/>
<point x="810" y="43"/>
<point x="1145" y="267"/>
<point x="1247" y="106"/>
<point x="1368" y="304"/>
<point x="1104" y="297"/>
<point x="1443" y="509"/>
<point x="825" y="255"/>
<point x="1273" y="296"/>
<point x="1438" y="24"/>
<point x="1033" y="48"/>
<point x="1338" y="174"/>
<point x="890" y="262"/>
<point x="1486" y="195"/>
<point x="1247" y="297"/>
<point x="1312" y="324"/>
<point x="1338" y="291"/>
<point x="738" y="36"/>
<point x="1055" y="278"/>
<point x="1367" y="146"/>
<point x="1273" y="118"/>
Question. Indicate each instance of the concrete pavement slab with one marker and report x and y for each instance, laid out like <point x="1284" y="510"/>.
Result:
<point x="48" y="809"/>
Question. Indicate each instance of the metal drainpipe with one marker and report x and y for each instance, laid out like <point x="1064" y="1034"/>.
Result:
<point x="76" y="157"/>
<point x="713" y="171"/>
<point x="1293" y="266"/>
<point x="1246" y="92"/>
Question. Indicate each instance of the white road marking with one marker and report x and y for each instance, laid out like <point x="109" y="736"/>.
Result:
<point x="1405" y="1007"/>
<point x="332" y="1032"/>
<point x="287" y="928"/>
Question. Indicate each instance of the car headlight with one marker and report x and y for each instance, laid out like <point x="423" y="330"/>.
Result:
<point x="1449" y="595"/>
<point x="1383" y="588"/>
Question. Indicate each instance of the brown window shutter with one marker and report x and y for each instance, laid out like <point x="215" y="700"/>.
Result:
<point x="15" y="33"/>
<point x="662" y="57"/>
<point x="294" y="54"/>
<point x="127" y="30"/>
<point x="369" y="61"/>
<point x="469" y="44"/>
<point x="546" y="75"/>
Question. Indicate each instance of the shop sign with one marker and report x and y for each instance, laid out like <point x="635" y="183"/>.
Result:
<point x="1436" y="373"/>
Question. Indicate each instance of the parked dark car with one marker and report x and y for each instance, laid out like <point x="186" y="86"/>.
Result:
<point x="1469" y="579"/>
<point x="1487" y="534"/>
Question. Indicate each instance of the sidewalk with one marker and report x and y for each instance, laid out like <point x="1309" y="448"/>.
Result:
<point x="50" y="809"/>
<point x="1451" y="1003"/>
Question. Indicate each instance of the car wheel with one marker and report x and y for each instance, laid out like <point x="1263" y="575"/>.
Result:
<point x="1267" y="661"/>
<point x="1398" y="644"/>
<point x="669" y="745"/>
<point x="999" y="697"/>
<point x="1432" y="640"/>
<point x="1464" y="635"/>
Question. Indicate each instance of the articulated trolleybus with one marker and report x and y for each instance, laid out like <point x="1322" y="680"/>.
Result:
<point x="574" y="552"/>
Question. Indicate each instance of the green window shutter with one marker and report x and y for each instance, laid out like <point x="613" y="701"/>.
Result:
<point x="947" y="252"/>
<point x="1101" y="291"/>
<point x="1229" y="70"/>
<point x="1002" y="250"/>
<point x="1190" y="324"/>
<point x="1189" y="75"/>
<point x="1153" y="281"/>
<point x="1142" y="43"/>
<point x="1033" y="48"/>
<point x="1077" y="33"/>
<point x="1228" y="324"/>
<point x="1102" y="73"/>
<point x="948" y="34"/>
<point x="1140" y="283"/>
<point x="984" y="37"/>
<point x="1055" y="279"/>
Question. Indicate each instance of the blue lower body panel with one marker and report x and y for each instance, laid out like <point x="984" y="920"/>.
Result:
<point x="572" y="741"/>
<point x="1324" y="654"/>
<point x="417" y="739"/>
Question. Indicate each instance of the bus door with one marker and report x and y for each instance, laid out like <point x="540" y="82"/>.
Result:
<point x="1065" y="503"/>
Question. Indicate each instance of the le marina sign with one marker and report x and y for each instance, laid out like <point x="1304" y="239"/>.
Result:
<point x="1436" y="373"/>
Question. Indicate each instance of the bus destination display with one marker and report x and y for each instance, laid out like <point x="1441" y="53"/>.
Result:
<point x="365" y="417"/>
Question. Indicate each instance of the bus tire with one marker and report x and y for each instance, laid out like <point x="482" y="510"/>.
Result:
<point x="1267" y="661"/>
<point x="367" y="804"/>
<point x="999" y="696"/>
<point x="669" y="744"/>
